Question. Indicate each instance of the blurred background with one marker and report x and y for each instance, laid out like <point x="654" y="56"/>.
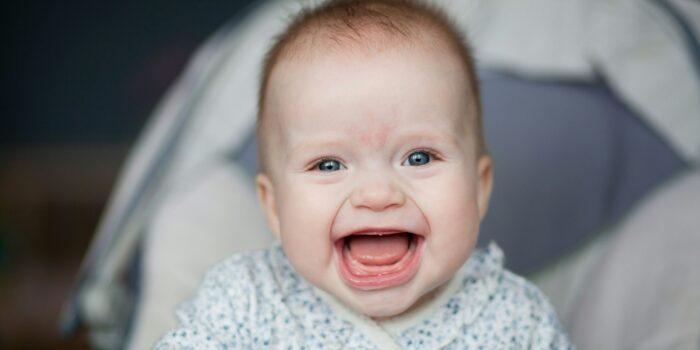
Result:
<point x="79" y="81"/>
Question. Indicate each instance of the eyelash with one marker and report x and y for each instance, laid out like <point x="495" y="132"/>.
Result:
<point x="314" y="165"/>
<point x="433" y="156"/>
<point x="431" y="153"/>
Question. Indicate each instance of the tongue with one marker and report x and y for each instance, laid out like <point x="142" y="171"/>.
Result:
<point x="378" y="250"/>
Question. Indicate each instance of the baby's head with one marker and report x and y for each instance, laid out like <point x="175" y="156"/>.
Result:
<point x="374" y="172"/>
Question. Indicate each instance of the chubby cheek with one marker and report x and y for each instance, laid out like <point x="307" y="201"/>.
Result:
<point x="306" y="213"/>
<point x="452" y="212"/>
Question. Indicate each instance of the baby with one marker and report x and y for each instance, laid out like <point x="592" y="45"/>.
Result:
<point x="374" y="176"/>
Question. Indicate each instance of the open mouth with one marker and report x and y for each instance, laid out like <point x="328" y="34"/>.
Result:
<point x="378" y="260"/>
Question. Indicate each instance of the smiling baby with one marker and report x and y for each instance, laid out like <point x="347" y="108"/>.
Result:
<point x="374" y="176"/>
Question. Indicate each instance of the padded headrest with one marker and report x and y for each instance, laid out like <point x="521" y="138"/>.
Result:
<point x="569" y="159"/>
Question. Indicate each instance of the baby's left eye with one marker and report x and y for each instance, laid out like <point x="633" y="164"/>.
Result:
<point x="418" y="158"/>
<point x="329" y="165"/>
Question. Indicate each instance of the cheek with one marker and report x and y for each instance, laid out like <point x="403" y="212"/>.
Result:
<point x="306" y="214"/>
<point x="450" y="198"/>
<point x="452" y="212"/>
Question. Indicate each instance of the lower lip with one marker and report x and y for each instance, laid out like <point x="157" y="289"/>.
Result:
<point x="396" y="274"/>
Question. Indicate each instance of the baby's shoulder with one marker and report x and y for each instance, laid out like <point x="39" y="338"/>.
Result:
<point x="242" y="274"/>
<point x="519" y="309"/>
<point x="504" y="289"/>
<point x="516" y="294"/>
<point x="242" y="270"/>
<point x="512" y="312"/>
<point x="235" y="296"/>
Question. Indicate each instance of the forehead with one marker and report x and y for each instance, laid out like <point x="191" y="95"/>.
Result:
<point x="371" y="94"/>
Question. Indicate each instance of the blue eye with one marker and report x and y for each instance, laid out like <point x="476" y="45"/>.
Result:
<point x="328" y="165"/>
<point x="419" y="158"/>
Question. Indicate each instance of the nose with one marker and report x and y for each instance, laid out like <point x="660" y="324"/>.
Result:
<point x="377" y="194"/>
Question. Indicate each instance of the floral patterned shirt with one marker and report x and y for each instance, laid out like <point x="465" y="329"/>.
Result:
<point x="255" y="300"/>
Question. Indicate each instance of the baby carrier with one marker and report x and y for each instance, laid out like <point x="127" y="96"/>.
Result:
<point x="587" y="107"/>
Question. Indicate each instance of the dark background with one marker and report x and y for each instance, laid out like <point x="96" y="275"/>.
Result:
<point x="79" y="79"/>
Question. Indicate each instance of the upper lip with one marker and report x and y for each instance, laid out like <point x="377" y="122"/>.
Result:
<point x="372" y="230"/>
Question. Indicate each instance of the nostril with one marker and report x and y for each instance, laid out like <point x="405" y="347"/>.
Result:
<point x="377" y="197"/>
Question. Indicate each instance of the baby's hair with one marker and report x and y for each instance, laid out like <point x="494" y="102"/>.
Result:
<point x="375" y="24"/>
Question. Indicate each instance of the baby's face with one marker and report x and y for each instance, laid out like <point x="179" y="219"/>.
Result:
<point x="375" y="188"/>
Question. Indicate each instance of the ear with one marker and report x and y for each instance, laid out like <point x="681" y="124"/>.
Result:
<point x="266" y="196"/>
<point x="485" y="184"/>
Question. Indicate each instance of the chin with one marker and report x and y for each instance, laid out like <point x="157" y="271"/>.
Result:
<point x="381" y="311"/>
<point x="383" y="303"/>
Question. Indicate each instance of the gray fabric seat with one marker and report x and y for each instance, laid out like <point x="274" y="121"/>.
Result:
<point x="569" y="159"/>
<point x="637" y="285"/>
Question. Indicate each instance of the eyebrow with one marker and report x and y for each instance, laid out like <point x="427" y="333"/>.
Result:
<point x="435" y="137"/>
<point x="329" y="143"/>
<point x="334" y="142"/>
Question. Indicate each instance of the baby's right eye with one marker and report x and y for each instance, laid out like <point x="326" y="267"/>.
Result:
<point x="328" y="165"/>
